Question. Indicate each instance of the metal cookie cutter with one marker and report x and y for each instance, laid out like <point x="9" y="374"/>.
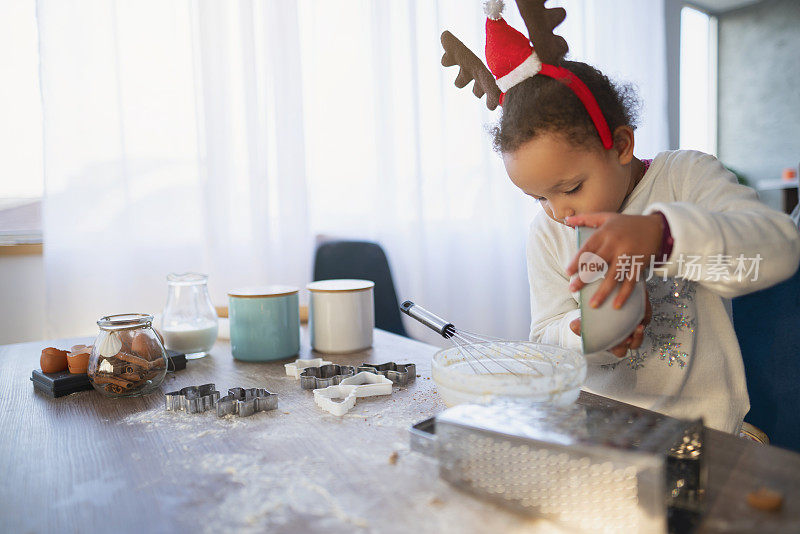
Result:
<point x="327" y="375"/>
<point x="363" y="384"/>
<point x="192" y="399"/>
<point x="296" y="367"/>
<point x="399" y="373"/>
<point x="245" y="402"/>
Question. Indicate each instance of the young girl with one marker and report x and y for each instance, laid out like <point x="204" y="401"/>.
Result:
<point x="567" y="140"/>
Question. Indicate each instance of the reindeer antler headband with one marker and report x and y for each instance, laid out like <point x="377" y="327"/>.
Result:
<point x="512" y="59"/>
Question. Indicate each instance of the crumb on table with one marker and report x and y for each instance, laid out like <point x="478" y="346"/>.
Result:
<point x="765" y="499"/>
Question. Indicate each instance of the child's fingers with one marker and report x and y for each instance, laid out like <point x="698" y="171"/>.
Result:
<point x="606" y="287"/>
<point x="638" y="337"/>
<point x="576" y="284"/>
<point x="588" y="219"/>
<point x="621" y="350"/>
<point x="648" y="309"/>
<point x="591" y="245"/>
<point x="575" y="326"/>
<point x="625" y="291"/>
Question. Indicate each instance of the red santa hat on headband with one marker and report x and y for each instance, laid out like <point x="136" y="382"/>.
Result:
<point x="512" y="59"/>
<point x="509" y="54"/>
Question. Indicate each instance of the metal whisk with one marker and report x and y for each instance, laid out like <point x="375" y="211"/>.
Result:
<point x="478" y="349"/>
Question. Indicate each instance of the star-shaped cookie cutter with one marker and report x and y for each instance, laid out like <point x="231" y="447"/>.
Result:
<point x="192" y="399"/>
<point x="324" y="376"/>
<point x="364" y="384"/>
<point x="399" y="373"/>
<point x="295" y="368"/>
<point x="246" y="402"/>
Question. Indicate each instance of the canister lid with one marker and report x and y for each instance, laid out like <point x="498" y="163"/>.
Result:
<point x="336" y="286"/>
<point x="262" y="291"/>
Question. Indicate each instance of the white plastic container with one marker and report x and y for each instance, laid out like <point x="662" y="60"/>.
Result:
<point x="341" y="315"/>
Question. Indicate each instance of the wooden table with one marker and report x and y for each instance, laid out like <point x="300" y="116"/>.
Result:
<point x="86" y="463"/>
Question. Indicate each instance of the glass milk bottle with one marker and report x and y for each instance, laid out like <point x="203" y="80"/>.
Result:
<point x="189" y="321"/>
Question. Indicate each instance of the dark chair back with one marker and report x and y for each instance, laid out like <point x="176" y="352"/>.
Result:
<point x="767" y="325"/>
<point x="365" y="261"/>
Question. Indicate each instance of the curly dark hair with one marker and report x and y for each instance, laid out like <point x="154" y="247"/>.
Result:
<point x="541" y="104"/>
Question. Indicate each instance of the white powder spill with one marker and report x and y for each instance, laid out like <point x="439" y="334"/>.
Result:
<point x="302" y="470"/>
<point x="273" y="493"/>
<point x="198" y="424"/>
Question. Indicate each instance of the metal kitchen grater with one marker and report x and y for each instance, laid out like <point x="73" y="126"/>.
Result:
<point x="593" y="469"/>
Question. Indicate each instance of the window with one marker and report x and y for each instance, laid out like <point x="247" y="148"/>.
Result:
<point x="698" y="81"/>
<point x="21" y="182"/>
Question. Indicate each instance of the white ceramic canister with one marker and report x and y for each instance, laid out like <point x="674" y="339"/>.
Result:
<point x="341" y="315"/>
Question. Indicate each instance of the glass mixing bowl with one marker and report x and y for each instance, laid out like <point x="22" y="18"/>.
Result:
<point x="523" y="370"/>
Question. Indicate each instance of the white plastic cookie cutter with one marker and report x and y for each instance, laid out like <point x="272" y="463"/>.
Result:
<point x="296" y="367"/>
<point x="363" y="384"/>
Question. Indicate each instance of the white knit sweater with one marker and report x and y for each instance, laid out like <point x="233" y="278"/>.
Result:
<point x="689" y="364"/>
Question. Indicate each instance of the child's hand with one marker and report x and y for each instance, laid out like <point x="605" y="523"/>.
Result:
<point x="634" y="236"/>
<point x="634" y="341"/>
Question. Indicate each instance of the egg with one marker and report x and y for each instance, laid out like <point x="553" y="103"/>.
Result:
<point x="126" y="339"/>
<point x="53" y="360"/>
<point x="77" y="349"/>
<point x="78" y="358"/>
<point x="765" y="499"/>
<point x="143" y="345"/>
<point x="160" y="337"/>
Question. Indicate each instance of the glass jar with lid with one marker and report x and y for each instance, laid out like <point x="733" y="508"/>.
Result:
<point x="128" y="358"/>
<point x="189" y="322"/>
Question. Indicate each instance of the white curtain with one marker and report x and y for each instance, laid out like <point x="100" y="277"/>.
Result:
<point x="223" y="137"/>
<point x="173" y="142"/>
<point x="626" y="40"/>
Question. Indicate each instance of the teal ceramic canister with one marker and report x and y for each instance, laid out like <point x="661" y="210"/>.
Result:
<point x="265" y="323"/>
